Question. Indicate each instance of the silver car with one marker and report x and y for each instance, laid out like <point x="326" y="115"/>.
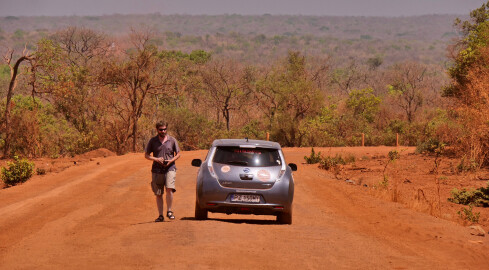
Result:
<point x="245" y="177"/>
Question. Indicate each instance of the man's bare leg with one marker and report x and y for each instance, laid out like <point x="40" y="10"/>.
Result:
<point x="169" y="199"/>
<point x="159" y="204"/>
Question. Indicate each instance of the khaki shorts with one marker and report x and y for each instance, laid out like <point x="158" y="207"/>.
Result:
<point x="162" y="180"/>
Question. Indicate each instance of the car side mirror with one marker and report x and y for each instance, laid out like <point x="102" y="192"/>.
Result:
<point x="196" y="162"/>
<point x="293" y="167"/>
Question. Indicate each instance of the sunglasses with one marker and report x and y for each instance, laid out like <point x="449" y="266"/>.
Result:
<point x="162" y="129"/>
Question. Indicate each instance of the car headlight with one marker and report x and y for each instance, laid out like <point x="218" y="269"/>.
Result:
<point x="280" y="174"/>
<point x="211" y="171"/>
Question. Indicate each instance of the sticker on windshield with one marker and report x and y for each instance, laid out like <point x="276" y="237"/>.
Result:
<point x="263" y="175"/>
<point x="225" y="169"/>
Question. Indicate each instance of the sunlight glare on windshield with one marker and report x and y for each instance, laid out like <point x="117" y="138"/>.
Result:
<point x="257" y="161"/>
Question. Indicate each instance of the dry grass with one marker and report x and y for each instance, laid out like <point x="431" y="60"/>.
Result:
<point x="414" y="182"/>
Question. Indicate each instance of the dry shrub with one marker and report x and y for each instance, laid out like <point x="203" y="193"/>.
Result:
<point x="424" y="204"/>
<point x="473" y="113"/>
<point x="395" y="193"/>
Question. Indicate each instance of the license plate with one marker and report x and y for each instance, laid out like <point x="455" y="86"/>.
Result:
<point x="245" y="198"/>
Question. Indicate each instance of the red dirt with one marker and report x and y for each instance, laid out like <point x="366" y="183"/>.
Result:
<point x="98" y="214"/>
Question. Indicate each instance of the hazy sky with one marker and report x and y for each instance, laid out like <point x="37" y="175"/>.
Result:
<point x="212" y="7"/>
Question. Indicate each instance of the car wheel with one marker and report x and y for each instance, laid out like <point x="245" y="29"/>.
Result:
<point x="285" y="217"/>
<point x="200" y="214"/>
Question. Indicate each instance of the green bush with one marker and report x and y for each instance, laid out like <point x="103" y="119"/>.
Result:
<point x="40" y="171"/>
<point x="364" y="104"/>
<point x="18" y="171"/>
<point x="476" y="197"/>
<point x="313" y="158"/>
<point x="431" y="145"/>
<point x="331" y="162"/>
<point x="468" y="214"/>
<point x="394" y="155"/>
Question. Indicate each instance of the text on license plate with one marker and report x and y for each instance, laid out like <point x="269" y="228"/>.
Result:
<point x="245" y="198"/>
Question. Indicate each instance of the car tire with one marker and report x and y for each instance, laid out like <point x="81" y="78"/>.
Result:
<point x="200" y="214"/>
<point x="285" y="217"/>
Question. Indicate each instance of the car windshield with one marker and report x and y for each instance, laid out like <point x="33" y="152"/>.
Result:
<point x="249" y="157"/>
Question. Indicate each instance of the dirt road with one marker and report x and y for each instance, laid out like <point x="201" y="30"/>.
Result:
<point x="93" y="216"/>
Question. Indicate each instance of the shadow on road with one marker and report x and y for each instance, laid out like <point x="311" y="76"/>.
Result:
<point x="234" y="221"/>
<point x="146" y="222"/>
<point x="238" y="221"/>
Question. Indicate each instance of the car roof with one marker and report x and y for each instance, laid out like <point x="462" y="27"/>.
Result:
<point x="246" y="142"/>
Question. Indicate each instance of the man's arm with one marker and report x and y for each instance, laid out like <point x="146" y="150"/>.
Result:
<point x="157" y="159"/>
<point x="177" y="156"/>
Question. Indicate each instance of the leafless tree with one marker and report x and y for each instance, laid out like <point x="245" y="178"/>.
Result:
<point x="409" y="82"/>
<point x="226" y="87"/>
<point x="81" y="44"/>
<point x="350" y="77"/>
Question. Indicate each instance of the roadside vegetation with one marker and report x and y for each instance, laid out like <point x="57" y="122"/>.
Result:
<point x="17" y="171"/>
<point x="313" y="158"/>
<point x="474" y="197"/>
<point x="71" y="90"/>
<point x="82" y="90"/>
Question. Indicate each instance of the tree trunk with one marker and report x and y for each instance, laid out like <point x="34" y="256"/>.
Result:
<point x="13" y="76"/>
<point x="225" y="114"/>
<point x="134" y="132"/>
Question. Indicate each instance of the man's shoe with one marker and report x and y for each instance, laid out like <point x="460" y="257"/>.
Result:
<point x="170" y="215"/>
<point x="160" y="219"/>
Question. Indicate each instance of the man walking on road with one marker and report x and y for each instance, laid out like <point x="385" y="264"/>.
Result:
<point x="165" y="152"/>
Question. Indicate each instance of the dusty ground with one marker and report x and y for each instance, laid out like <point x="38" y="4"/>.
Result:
<point x="98" y="214"/>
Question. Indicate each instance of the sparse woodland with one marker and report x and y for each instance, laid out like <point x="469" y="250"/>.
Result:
<point x="84" y="82"/>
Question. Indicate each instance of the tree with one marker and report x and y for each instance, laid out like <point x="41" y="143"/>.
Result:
<point x="467" y="49"/>
<point x="469" y="86"/>
<point x="320" y="74"/>
<point x="349" y="77"/>
<point x="185" y="69"/>
<point x="127" y="84"/>
<point x="14" y="71"/>
<point x="81" y="45"/>
<point x="408" y="82"/>
<point x="81" y="50"/>
<point x="364" y="104"/>
<point x="288" y="96"/>
<point x="225" y="87"/>
<point x="65" y="72"/>
<point x="472" y="111"/>
<point x="325" y="128"/>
